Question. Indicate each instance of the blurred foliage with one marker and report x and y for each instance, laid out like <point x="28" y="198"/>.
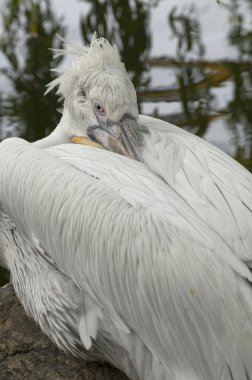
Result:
<point x="196" y="78"/>
<point x="29" y="29"/>
<point x="240" y="106"/>
<point x="186" y="30"/>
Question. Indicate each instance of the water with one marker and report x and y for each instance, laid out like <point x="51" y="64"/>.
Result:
<point x="191" y="62"/>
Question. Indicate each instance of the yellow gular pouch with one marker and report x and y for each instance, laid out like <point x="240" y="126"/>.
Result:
<point x="83" y="140"/>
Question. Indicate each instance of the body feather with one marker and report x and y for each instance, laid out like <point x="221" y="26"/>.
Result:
<point x="216" y="187"/>
<point x="164" y="290"/>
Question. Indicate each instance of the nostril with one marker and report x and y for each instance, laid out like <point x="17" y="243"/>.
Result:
<point x="91" y="133"/>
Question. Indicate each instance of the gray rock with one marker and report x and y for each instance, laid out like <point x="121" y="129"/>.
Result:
<point x="26" y="353"/>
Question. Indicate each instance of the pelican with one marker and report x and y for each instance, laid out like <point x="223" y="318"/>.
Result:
<point x="100" y="104"/>
<point x="140" y="258"/>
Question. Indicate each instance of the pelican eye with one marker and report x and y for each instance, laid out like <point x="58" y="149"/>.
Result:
<point x="98" y="107"/>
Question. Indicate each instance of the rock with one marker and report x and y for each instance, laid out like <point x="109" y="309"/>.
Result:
<point x="26" y="353"/>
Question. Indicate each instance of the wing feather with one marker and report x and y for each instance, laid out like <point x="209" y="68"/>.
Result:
<point x="143" y="256"/>
<point x="217" y="188"/>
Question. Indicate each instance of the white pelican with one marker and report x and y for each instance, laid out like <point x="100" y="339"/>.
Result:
<point x="100" y="102"/>
<point x="144" y="264"/>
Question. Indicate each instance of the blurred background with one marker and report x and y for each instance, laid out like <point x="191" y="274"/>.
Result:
<point x="190" y="61"/>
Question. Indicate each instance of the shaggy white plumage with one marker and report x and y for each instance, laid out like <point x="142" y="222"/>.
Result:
<point x="145" y="264"/>
<point x="128" y="269"/>
<point x="96" y="74"/>
<point x="99" y="56"/>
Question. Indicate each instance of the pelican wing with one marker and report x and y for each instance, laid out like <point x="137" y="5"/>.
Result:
<point x="137" y="249"/>
<point x="216" y="187"/>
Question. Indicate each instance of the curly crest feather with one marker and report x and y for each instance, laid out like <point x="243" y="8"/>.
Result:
<point x="100" y="55"/>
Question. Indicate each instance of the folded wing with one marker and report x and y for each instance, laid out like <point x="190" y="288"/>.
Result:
<point x="141" y="254"/>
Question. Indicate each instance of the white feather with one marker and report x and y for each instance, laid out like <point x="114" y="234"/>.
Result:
<point x="217" y="188"/>
<point x="99" y="56"/>
<point x="142" y="257"/>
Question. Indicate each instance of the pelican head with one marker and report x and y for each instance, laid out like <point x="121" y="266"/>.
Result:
<point x="99" y="100"/>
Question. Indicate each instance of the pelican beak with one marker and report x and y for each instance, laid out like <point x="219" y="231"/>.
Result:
<point x="122" y="137"/>
<point x="83" y="140"/>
